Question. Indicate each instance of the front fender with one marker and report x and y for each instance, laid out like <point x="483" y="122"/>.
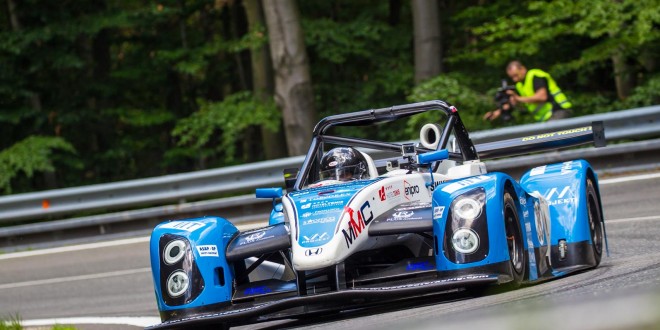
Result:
<point x="192" y="249"/>
<point x="489" y="225"/>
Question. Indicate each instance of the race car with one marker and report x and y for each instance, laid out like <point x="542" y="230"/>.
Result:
<point x="366" y="222"/>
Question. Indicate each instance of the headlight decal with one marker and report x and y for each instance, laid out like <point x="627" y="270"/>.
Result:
<point x="180" y="279"/>
<point x="466" y="228"/>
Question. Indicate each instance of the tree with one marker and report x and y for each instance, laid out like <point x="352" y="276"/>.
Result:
<point x="293" y="83"/>
<point x="615" y="31"/>
<point x="428" y="47"/>
<point x="262" y="78"/>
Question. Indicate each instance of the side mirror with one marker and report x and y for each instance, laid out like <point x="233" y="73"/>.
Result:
<point x="432" y="156"/>
<point x="269" y="193"/>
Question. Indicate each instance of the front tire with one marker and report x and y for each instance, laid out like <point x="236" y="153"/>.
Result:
<point x="595" y="216"/>
<point x="514" y="240"/>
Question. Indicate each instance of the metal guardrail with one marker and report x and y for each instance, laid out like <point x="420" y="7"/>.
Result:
<point x="635" y="123"/>
<point x="247" y="210"/>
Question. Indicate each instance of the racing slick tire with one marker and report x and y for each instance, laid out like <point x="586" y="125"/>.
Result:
<point x="595" y="215"/>
<point x="514" y="240"/>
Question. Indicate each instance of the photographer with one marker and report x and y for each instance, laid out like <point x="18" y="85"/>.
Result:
<point x="537" y="92"/>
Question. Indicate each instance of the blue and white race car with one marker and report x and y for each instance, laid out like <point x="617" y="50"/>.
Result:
<point x="368" y="222"/>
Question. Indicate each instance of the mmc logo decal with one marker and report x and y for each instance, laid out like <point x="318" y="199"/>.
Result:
<point x="357" y="222"/>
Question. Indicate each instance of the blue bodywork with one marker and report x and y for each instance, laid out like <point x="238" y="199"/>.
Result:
<point x="206" y="241"/>
<point x="564" y="188"/>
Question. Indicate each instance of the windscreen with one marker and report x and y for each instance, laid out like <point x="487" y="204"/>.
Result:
<point x="353" y="160"/>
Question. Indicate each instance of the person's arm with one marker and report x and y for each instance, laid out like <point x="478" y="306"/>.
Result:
<point x="540" y="93"/>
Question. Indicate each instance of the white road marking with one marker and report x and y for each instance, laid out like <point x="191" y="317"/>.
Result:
<point x="74" y="278"/>
<point x="72" y="248"/>
<point x="139" y="321"/>
<point x="651" y="218"/>
<point x="630" y="178"/>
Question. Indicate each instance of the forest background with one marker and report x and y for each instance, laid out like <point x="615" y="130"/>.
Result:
<point x="108" y="90"/>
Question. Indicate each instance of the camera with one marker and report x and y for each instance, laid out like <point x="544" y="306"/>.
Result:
<point x="503" y="101"/>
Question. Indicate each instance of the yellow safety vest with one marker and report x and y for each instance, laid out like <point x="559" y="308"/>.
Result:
<point x="542" y="111"/>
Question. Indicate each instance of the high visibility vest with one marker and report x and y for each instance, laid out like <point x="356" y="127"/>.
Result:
<point x="542" y="111"/>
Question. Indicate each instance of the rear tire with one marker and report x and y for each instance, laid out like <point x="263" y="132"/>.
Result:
<point x="514" y="240"/>
<point x="595" y="216"/>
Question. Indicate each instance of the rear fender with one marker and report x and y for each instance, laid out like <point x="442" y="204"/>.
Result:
<point x="563" y="186"/>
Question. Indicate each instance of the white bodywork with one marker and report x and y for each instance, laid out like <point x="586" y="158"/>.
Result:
<point x="351" y="229"/>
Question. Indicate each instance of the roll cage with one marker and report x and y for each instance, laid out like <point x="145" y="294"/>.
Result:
<point x="369" y="117"/>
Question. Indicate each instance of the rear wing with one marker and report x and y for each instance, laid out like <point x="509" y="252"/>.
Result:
<point x="545" y="141"/>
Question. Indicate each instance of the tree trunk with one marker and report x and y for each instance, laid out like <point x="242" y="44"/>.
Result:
<point x="624" y="76"/>
<point x="428" y="48"/>
<point x="262" y="80"/>
<point x="293" y="84"/>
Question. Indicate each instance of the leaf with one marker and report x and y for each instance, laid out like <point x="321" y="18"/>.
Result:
<point x="28" y="156"/>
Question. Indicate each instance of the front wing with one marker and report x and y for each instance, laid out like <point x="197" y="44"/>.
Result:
<point x="346" y="299"/>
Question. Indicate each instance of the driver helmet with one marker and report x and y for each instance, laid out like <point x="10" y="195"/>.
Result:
<point x="343" y="164"/>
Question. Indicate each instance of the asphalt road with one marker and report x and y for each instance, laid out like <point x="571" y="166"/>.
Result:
<point x="112" y="279"/>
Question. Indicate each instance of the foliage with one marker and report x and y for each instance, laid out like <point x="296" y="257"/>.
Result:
<point x="14" y="323"/>
<point x="645" y="95"/>
<point x="231" y="117"/>
<point x="28" y="156"/>
<point x="151" y="88"/>
<point x="63" y="327"/>
<point x="356" y="55"/>
<point x="610" y="27"/>
<point x="470" y="103"/>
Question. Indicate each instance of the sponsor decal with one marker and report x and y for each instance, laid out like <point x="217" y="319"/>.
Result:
<point x="305" y="206"/>
<point x="553" y="134"/>
<point x="207" y="250"/>
<point x="257" y="290"/>
<point x="415" y="285"/>
<point x="410" y="190"/>
<point x="526" y="214"/>
<point x="319" y="220"/>
<point x="255" y="236"/>
<point x="438" y="211"/>
<point x="388" y="192"/>
<point x="537" y="170"/>
<point x="435" y="184"/>
<point x="403" y="214"/>
<point x="316" y="238"/>
<point x="357" y="222"/>
<point x="422" y="265"/>
<point x="189" y="226"/>
<point x="451" y="188"/>
<point x="566" y="167"/>
<point x="416" y="205"/>
<point x="326" y="204"/>
<point x="523" y="201"/>
<point x="320" y="212"/>
<point x="554" y="196"/>
<point x="313" y="252"/>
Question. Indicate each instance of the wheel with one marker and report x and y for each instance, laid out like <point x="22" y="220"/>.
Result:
<point x="595" y="221"/>
<point x="514" y="240"/>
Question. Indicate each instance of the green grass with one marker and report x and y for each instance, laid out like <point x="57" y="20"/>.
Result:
<point x="14" y="323"/>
